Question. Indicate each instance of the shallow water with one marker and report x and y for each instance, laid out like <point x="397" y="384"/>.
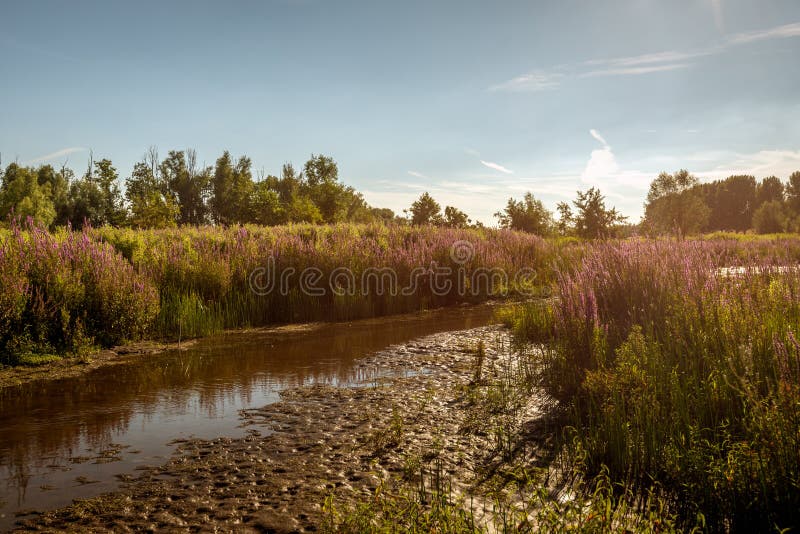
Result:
<point x="72" y="438"/>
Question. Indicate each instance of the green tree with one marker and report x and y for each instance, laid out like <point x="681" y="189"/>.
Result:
<point x="793" y="193"/>
<point x="674" y="204"/>
<point x="425" y="210"/>
<point x="151" y="206"/>
<point x="21" y="195"/>
<point x="232" y="189"/>
<point x="565" y="218"/>
<point x="383" y="215"/>
<point x="96" y="197"/>
<point x="770" y="189"/>
<point x="527" y="215"/>
<point x="592" y="219"/>
<point x="455" y="218"/>
<point x="188" y="185"/>
<point x="301" y="209"/>
<point x="770" y="218"/>
<point x="266" y="205"/>
<point x="732" y="202"/>
<point x="336" y="201"/>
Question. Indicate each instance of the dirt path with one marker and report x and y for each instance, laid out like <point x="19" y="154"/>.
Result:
<point x="321" y="441"/>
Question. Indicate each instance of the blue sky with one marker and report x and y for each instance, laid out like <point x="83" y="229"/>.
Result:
<point x="474" y="101"/>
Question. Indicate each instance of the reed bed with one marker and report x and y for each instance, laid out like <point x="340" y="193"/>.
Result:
<point x="69" y="290"/>
<point x="681" y="376"/>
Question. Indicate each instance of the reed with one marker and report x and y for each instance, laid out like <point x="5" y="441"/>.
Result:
<point x="684" y="375"/>
<point x="98" y="287"/>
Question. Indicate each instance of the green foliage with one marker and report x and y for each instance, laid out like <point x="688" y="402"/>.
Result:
<point x="22" y="194"/>
<point x="528" y="215"/>
<point x="455" y="218"/>
<point x="62" y="293"/>
<point x="683" y="375"/>
<point x="674" y="205"/>
<point x="232" y="185"/>
<point x="771" y="218"/>
<point x="425" y="211"/>
<point x="592" y="219"/>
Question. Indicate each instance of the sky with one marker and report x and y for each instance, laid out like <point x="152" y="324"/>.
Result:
<point x="473" y="101"/>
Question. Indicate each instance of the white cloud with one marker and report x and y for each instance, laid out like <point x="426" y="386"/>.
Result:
<point x="533" y="81"/>
<point x="601" y="165"/>
<point x="496" y="167"/>
<point x="634" y="71"/>
<point x="780" y="163"/>
<point x="418" y="175"/>
<point x="665" y="61"/>
<point x="779" y="32"/>
<point x="57" y="154"/>
<point x="669" y="56"/>
<point x="594" y="133"/>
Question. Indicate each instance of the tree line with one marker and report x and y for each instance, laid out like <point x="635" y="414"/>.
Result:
<point x="176" y="190"/>
<point x="679" y="204"/>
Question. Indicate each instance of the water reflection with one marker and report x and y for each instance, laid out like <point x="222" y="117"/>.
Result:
<point x="69" y="438"/>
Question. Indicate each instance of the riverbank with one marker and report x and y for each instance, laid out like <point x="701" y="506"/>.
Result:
<point x="451" y="435"/>
<point x="60" y="368"/>
<point x="320" y="442"/>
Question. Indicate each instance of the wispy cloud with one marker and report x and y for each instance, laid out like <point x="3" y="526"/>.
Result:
<point x="670" y="56"/>
<point x="496" y="167"/>
<point x="634" y="71"/>
<point x="418" y="175"/>
<point x="594" y="133"/>
<point x="780" y="32"/>
<point x="57" y="154"/>
<point x="651" y="63"/>
<point x="533" y="81"/>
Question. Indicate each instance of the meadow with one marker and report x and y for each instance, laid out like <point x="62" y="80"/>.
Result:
<point x="68" y="292"/>
<point x="680" y="378"/>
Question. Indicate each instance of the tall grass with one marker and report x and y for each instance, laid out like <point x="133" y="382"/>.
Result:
<point x="203" y="273"/>
<point x="64" y="291"/>
<point x="683" y="375"/>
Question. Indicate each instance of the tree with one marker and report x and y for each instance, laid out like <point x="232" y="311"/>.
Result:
<point x="187" y="184"/>
<point x="425" y="210"/>
<point x="96" y="197"/>
<point x="151" y="206"/>
<point x="770" y="218"/>
<point x="592" y="219"/>
<point x="382" y="214"/>
<point x="232" y="188"/>
<point x="302" y="209"/>
<point x="770" y="189"/>
<point x="732" y="202"/>
<point x="565" y="218"/>
<point x="674" y="204"/>
<point x="266" y="205"/>
<point x="528" y="215"/>
<point x="21" y="195"/>
<point x="793" y="193"/>
<point x="455" y="218"/>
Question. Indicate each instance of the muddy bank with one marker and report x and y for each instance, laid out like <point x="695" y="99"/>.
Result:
<point x="70" y="367"/>
<point x="320" y="441"/>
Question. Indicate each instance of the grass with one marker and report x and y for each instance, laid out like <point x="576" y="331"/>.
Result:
<point x="63" y="292"/>
<point x="680" y="378"/>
